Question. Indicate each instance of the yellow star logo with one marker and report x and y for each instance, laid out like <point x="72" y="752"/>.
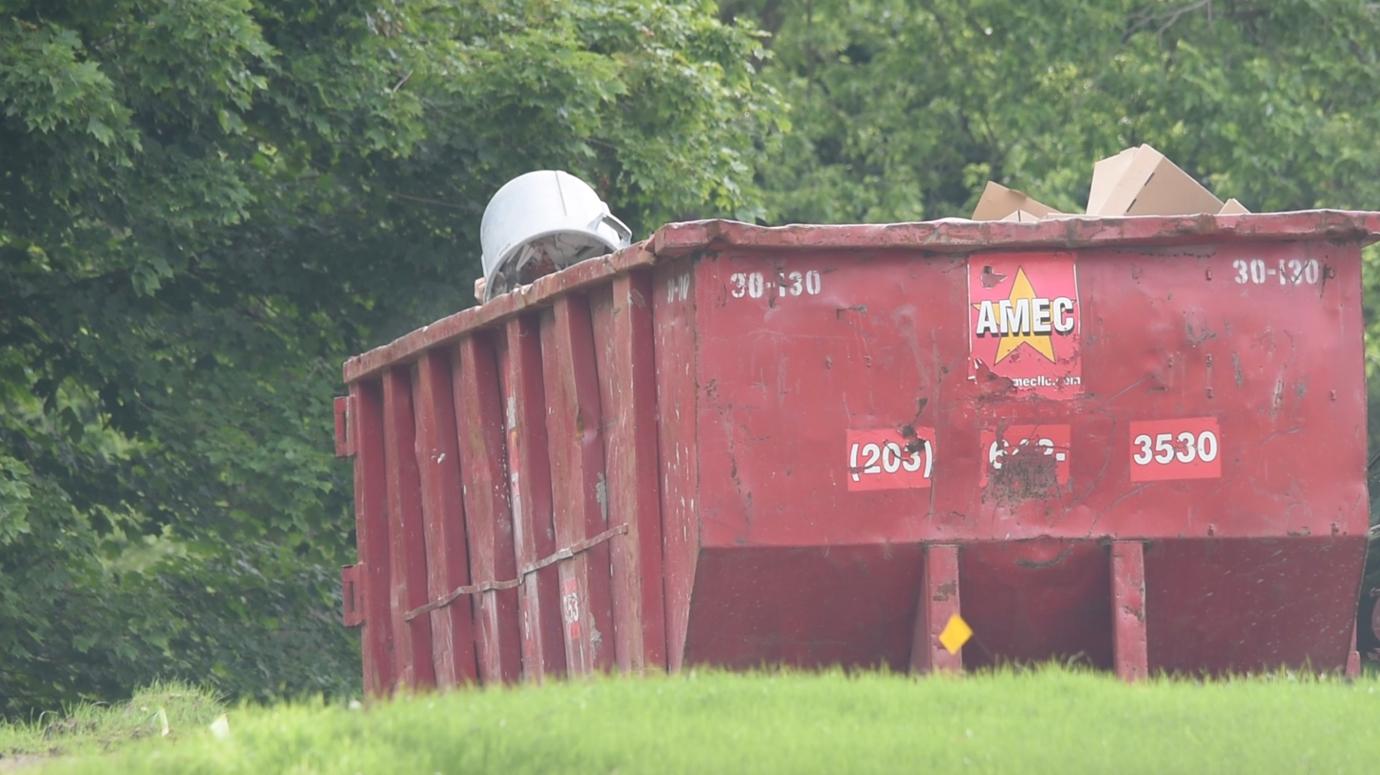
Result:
<point x="1043" y="344"/>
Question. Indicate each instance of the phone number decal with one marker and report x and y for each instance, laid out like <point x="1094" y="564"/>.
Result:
<point x="1184" y="448"/>
<point x="1026" y="446"/>
<point x="885" y="459"/>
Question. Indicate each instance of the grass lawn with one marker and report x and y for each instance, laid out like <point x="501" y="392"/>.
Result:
<point x="1049" y="720"/>
<point x="91" y="729"/>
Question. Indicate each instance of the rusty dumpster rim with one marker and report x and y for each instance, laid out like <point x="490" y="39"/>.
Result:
<point x="947" y="236"/>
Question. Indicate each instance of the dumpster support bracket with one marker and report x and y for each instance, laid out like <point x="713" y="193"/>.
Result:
<point x="938" y="602"/>
<point x="344" y="434"/>
<point x="351" y="595"/>
<point x="1129" y="645"/>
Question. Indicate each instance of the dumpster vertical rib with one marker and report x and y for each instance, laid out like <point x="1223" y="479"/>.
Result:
<point x="618" y="634"/>
<point x="675" y="355"/>
<point x="529" y="479"/>
<point x="1129" y="645"/>
<point x="443" y="511"/>
<point x="371" y="535"/>
<point x="579" y="487"/>
<point x="406" y="538"/>
<point x="939" y="602"/>
<point x="634" y="492"/>
<point x="489" y="524"/>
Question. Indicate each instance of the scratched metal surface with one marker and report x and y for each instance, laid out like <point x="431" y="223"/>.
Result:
<point x="1265" y="376"/>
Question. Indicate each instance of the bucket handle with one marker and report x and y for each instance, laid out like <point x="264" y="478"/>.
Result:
<point x="624" y="233"/>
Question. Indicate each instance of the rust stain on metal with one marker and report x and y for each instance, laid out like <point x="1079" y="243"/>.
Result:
<point x="991" y="279"/>
<point x="1196" y="337"/>
<point x="1024" y="477"/>
<point x="913" y="442"/>
<point x="1053" y="562"/>
<point x="601" y="495"/>
<point x="944" y="591"/>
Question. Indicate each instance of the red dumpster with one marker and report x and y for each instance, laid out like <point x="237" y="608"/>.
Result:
<point x="1139" y="442"/>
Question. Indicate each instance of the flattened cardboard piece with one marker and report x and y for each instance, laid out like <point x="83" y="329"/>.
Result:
<point x="1233" y="207"/>
<point x="1106" y="174"/>
<point x="998" y="202"/>
<point x="1021" y="216"/>
<point x="1141" y="181"/>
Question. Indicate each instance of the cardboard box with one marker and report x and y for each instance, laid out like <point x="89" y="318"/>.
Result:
<point x="998" y="203"/>
<point x="1233" y="207"/>
<point x="1141" y="181"/>
<point x="1137" y="181"/>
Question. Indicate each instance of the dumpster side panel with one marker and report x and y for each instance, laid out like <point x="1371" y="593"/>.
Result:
<point x="858" y="400"/>
<point x="1277" y="366"/>
<point x="1212" y="391"/>
<point x="812" y="365"/>
<point x="675" y="352"/>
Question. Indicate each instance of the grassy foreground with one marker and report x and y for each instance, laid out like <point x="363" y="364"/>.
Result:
<point x="1050" y="720"/>
<point x="91" y="729"/>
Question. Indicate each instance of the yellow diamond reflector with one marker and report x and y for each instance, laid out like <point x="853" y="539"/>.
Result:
<point x="955" y="634"/>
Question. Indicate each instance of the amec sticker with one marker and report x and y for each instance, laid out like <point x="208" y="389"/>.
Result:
<point x="1024" y="322"/>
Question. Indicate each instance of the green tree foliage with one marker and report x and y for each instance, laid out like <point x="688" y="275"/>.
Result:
<point x="901" y="109"/>
<point x="205" y="205"/>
